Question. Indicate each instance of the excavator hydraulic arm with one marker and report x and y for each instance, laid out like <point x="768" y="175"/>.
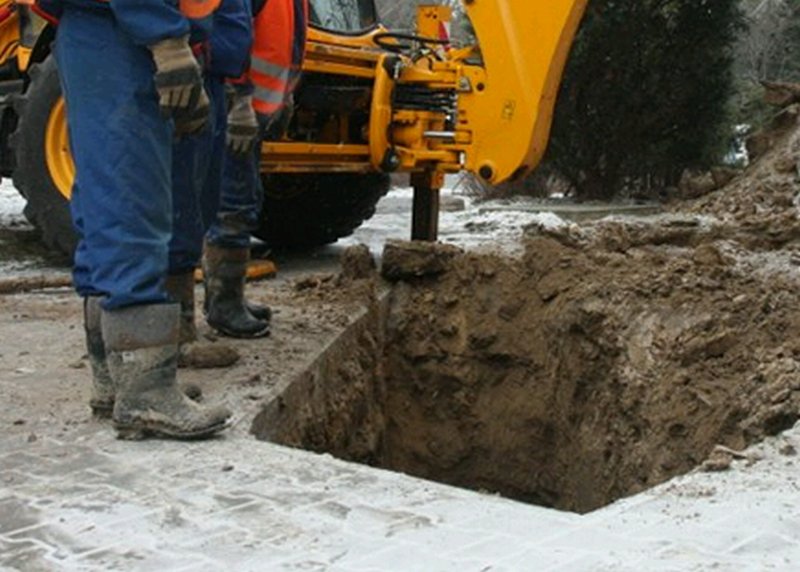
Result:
<point x="524" y="47"/>
<point x="485" y="109"/>
<point x="446" y="112"/>
<point x="435" y="109"/>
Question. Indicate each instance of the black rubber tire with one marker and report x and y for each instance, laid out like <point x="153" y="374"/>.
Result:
<point x="300" y="210"/>
<point x="314" y="209"/>
<point x="47" y="209"/>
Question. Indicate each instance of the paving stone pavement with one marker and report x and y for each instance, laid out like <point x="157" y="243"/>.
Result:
<point x="72" y="497"/>
<point x="237" y="504"/>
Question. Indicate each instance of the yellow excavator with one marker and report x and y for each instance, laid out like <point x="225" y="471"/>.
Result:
<point x="372" y="102"/>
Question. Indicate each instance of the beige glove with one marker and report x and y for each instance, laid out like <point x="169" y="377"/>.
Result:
<point x="179" y="82"/>
<point x="242" y="125"/>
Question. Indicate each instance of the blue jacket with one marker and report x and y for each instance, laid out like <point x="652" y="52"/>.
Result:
<point x="145" y="21"/>
<point x="231" y="38"/>
<point x="229" y="30"/>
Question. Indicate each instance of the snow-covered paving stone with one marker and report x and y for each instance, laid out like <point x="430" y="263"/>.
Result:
<point x="235" y="503"/>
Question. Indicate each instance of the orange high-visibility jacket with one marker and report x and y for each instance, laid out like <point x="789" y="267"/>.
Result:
<point x="279" y="45"/>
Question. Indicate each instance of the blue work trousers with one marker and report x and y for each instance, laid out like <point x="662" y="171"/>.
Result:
<point x="196" y="182"/>
<point x="240" y="201"/>
<point x="122" y="147"/>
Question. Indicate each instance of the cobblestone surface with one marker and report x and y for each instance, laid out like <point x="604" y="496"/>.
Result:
<point x="72" y="497"/>
<point x="234" y="503"/>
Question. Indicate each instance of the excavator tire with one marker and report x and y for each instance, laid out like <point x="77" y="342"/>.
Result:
<point x="42" y="157"/>
<point x="314" y="209"/>
<point x="300" y="210"/>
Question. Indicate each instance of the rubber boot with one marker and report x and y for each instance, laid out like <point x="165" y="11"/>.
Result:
<point x="180" y="288"/>
<point x="103" y="390"/>
<point x="193" y="353"/>
<point x="258" y="311"/>
<point x="142" y="354"/>
<point x="225" y="272"/>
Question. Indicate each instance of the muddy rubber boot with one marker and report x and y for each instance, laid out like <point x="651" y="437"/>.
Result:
<point x="103" y="390"/>
<point x="142" y="355"/>
<point x="180" y="288"/>
<point x="225" y="275"/>
<point x="195" y="354"/>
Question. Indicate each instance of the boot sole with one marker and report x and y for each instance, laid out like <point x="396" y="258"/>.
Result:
<point x="139" y="432"/>
<point x="242" y="335"/>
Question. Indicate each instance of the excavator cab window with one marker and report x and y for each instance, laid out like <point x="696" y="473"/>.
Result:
<point x="344" y="16"/>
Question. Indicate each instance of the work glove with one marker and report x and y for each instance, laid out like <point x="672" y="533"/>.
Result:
<point x="243" y="131"/>
<point x="179" y="82"/>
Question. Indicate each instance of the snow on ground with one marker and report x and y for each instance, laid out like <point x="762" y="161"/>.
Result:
<point x="11" y="205"/>
<point x="90" y="502"/>
<point x="495" y="225"/>
<point x="490" y="225"/>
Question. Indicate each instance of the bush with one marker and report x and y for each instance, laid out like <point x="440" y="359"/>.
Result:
<point x="645" y="94"/>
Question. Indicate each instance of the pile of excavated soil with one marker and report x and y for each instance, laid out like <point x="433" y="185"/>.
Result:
<point x="590" y="369"/>
<point x="608" y="358"/>
<point x="768" y="189"/>
<point x="613" y="355"/>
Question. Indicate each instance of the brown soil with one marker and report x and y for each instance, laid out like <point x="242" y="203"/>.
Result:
<point x="208" y="355"/>
<point x="581" y="373"/>
<point x="768" y="188"/>
<point x="613" y="356"/>
<point x="609" y="358"/>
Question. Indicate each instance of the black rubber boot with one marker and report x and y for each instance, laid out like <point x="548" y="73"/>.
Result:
<point x="225" y="275"/>
<point x="259" y="312"/>
<point x="142" y="354"/>
<point x="103" y="390"/>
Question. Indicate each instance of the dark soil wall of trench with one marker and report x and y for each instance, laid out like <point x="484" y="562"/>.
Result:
<point x="586" y="371"/>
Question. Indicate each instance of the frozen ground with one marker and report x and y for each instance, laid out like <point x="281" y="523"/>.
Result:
<point x="490" y="225"/>
<point x="494" y="225"/>
<point x="11" y="205"/>
<point x="485" y="226"/>
<point x="21" y="251"/>
<point x="74" y="498"/>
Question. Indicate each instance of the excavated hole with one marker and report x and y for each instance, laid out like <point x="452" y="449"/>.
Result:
<point x="565" y="379"/>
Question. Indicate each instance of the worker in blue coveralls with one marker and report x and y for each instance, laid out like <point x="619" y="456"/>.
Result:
<point x="198" y="159"/>
<point x="131" y="83"/>
<point x="260" y="109"/>
<point x="227" y="247"/>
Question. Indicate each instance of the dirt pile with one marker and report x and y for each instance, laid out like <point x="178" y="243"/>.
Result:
<point x="591" y="369"/>
<point x="608" y="358"/>
<point x="768" y="189"/>
<point x="613" y="355"/>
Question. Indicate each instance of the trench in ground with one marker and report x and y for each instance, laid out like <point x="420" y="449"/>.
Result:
<point x="464" y="382"/>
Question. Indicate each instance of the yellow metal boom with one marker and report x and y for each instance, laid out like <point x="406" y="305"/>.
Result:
<point x="525" y="45"/>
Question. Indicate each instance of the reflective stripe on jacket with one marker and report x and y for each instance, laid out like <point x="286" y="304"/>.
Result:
<point x="278" y="51"/>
